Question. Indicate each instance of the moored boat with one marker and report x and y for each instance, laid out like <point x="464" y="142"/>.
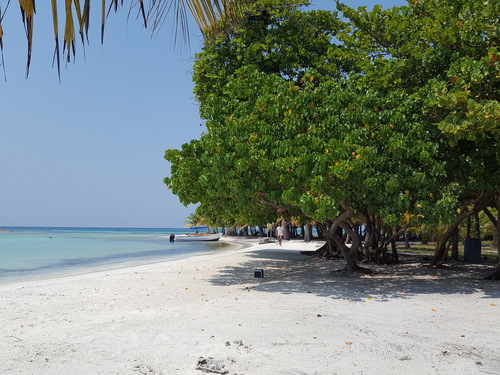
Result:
<point x="196" y="237"/>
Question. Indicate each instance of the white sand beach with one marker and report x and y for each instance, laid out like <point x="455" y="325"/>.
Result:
<point x="298" y="319"/>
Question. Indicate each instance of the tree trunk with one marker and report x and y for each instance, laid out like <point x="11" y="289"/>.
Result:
<point x="491" y="217"/>
<point x="407" y="239"/>
<point x="308" y="233"/>
<point x="353" y="252"/>
<point x="261" y="231"/>
<point x="231" y="231"/>
<point x="333" y="233"/>
<point x="331" y="250"/>
<point x="468" y="227"/>
<point x="269" y="232"/>
<point x="395" y="256"/>
<point x="286" y="227"/>
<point x="496" y="274"/>
<point x="322" y="230"/>
<point x="328" y="250"/>
<point x="477" y="232"/>
<point x="368" y="235"/>
<point x="350" y="255"/>
<point x="351" y="264"/>
<point x="439" y="256"/>
<point x="454" y="245"/>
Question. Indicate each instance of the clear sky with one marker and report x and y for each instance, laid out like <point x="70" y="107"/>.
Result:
<point x="89" y="151"/>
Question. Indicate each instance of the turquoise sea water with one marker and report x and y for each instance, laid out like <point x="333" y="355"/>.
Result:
<point x="28" y="253"/>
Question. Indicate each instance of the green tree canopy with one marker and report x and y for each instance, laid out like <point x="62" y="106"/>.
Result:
<point x="366" y="125"/>
<point x="301" y="138"/>
<point x="444" y="54"/>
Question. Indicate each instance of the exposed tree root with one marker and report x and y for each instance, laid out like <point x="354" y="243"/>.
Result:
<point x="358" y="270"/>
<point x="310" y="253"/>
<point x="495" y="275"/>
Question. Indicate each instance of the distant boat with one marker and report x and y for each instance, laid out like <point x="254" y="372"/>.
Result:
<point x="196" y="237"/>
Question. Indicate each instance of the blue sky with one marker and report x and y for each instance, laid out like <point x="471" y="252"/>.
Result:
<point x="89" y="151"/>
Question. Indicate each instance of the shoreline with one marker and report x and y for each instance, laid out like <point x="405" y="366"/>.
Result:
<point x="82" y="271"/>
<point x="238" y="244"/>
<point x="299" y="319"/>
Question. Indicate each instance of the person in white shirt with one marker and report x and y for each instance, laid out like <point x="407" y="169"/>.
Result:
<point x="280" y="231"/>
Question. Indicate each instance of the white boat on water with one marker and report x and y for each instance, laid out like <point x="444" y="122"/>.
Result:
<point x="197" y="237"/>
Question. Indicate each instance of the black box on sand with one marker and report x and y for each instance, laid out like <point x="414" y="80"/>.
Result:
<point x="258" y="273"/>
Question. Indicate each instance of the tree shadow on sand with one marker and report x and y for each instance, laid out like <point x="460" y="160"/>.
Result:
<point x="288" y="271"/>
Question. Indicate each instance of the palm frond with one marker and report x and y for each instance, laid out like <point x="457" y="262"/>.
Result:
<point x="1" y="41"/>
<point x="55" y="20"/>
<point x="208" y="15"/>
<point x="69" y="32"/>
<point x="84" y="24"/>
<point x="143" y="12"/>
<point x="83" y="18"/>
<point x="28" y="13"/>
<point x="103" y="19"/>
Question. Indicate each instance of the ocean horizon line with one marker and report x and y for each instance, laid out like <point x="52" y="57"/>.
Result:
<point x="85" y="227"/>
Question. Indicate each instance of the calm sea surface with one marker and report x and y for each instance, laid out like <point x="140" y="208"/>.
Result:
<point x="30" y="253"/>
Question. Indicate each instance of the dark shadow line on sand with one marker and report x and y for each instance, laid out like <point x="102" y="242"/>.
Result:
<point x="288" y="271"/>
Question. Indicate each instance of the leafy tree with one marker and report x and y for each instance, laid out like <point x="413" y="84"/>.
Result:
<point x="444" y="54"/>
<point x="213" y="71"/>
<point x="377" y="126"/>
<point x="307" y="142"/>
<point x="277" y="38"/>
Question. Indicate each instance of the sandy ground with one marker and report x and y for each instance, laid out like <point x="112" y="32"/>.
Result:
<point x="299" y="319"/>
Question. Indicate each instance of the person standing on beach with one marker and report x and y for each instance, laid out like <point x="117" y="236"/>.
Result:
<point x="280" y="231"/>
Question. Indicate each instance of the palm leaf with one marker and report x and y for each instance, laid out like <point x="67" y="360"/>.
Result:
<point x="103" y="19"/>
<point x="143" y="12"/>
<point x="206" y="13"/>
<point x="28" y="13"/>
<point x="69" y="32"/>
<point x="1" y="40"/>
<point x="56" y="36"/>
<point x="83" y="18"/>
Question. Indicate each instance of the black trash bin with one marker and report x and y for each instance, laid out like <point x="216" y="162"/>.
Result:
<point x="472" y="250"/>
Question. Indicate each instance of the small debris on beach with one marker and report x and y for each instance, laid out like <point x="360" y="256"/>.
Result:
<point x="210" y="365"/>
<point x="144" y="369"/>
